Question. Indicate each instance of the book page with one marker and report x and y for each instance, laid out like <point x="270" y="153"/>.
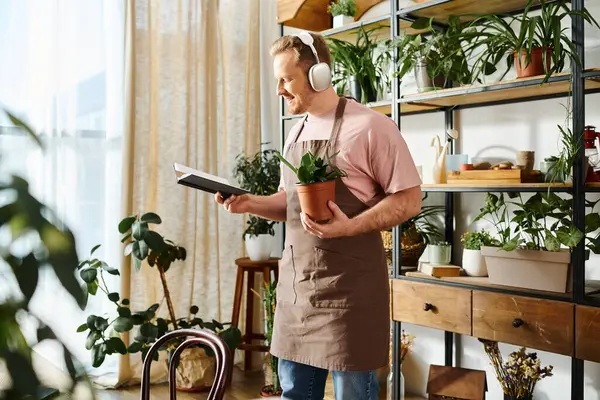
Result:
<point x="182" y="171"/>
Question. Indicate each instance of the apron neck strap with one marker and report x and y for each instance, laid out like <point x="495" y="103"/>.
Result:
<point x="337" y="124"/>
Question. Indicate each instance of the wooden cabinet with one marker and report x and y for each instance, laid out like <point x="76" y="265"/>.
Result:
<point x="524" y="321"/>
<point x="587" y="326"/>
<point x="541" y="324"/>
<point x="432" y="305"/>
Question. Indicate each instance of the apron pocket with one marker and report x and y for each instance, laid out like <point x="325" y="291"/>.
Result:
<point x="341" y="281"/>
<point x="286" y="291"/>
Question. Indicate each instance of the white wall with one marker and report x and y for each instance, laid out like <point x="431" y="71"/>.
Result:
<point x="491" y="131"/>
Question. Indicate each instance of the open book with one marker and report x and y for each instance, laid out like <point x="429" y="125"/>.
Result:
<point x="206" y="182"/>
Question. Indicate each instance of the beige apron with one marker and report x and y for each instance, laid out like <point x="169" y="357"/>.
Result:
<point x="333" y="294"/>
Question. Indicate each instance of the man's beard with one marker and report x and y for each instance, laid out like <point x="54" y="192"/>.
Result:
<point x="299" y="107"/>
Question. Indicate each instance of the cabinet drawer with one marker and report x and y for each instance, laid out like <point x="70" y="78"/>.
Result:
<point x="524" y="321"/>
<point x="588" y="333"/>
<point x="432" y="305"/>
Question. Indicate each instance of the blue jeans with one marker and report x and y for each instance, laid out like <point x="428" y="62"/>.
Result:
<point x="303" y="382"/>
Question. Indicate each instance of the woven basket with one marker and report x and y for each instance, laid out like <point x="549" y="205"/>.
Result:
<point x="411" y="249"/>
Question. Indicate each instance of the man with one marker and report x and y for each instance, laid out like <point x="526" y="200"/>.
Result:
<point x="333" y="293"/>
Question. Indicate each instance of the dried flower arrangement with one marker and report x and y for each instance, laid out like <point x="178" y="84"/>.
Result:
<point x="406" y="342"/>
<point x="519" y="374"/>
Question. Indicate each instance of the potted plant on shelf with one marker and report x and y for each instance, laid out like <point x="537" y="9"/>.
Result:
<point x="342" y="11"/>
<point x="519" y="374"/>
<point x="439" y="253"/>
<point x="416" y="233"/>
<point x="539" y="46"/>
<point x="435" y="56"/>
<point x="260" y="175"/>
<point x="473" y="263"/>
<point x="196" y="369"/>
<point x="361" y="64"/>
<point x="316" y="184"/>
<point x="536" y="253"/>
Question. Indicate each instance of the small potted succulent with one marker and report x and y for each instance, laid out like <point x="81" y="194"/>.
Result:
<point x="473" y="261"/>
<point x="439" y="253"/>
<point x="316" y="184"/>
<point x="342" y="11"/>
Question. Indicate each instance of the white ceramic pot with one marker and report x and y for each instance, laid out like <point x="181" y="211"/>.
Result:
<point x="341" y="20"/>
<point x="259" y="248"/>
<point x="474" y="263"/>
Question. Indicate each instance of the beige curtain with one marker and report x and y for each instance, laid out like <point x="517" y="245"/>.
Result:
<point x="193" y="98"/>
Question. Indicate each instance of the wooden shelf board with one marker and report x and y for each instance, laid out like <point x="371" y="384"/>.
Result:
<point x="349" y="32"/>
<point x="483" y="282"/>
<point x="441" y="9"/>
<point x="408" y="396"/>
<point x="522" y="88"/>
<point x="384" y="107"/>
<point x="450" y="186"/>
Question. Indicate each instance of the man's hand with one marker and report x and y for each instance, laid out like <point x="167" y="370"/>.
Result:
<point x="234" y="204"/>
<point x="337" y="226"/>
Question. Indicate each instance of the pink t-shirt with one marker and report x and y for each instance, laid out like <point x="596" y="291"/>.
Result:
<point x="371" y="149"/>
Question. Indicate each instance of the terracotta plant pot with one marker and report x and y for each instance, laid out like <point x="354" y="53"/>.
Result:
<point x="536" y="66"/>
<point x="314" y="197"/>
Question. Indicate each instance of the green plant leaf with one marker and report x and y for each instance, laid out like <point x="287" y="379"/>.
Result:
<point x="92" y="337"/>
<point x="151" y="218"/>
<point x="126" y="223"/>
<point x="110" y="270"/>
<point x="115" y="345"/>
<point x="26" y="272"/>
<point x="20" y="124"/>
<point x="101" y="324"/>
<point x="124" y="312"/>
<point x="140" y="250"/>
<point x="155" y="241"/>
<point x="96" y="247"/>
<point x="139" y="230"/>
<point x="88" y="275"/>
<point x="113" y="296"/>
<point x="92" y="287"/>
<point x="98" y="355"/>
<point x="134" y="347"/>
<point x="422" y="23"/>
<point x="123" y="324"/>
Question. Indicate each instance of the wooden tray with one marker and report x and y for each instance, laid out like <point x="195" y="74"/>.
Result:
<point x="507" y="176"/>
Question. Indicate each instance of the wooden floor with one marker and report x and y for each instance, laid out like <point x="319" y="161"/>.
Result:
<point x="245" y="386"/>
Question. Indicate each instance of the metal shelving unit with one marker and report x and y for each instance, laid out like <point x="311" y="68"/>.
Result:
<point x="452" y="99"/>
<point x="523" y="90"/>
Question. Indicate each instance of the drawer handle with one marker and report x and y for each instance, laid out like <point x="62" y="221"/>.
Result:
<point x="517" y="322"/>
<point x="427" y="306"/>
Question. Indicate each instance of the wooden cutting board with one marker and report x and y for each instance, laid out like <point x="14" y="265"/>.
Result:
<point x="507" y="176"/>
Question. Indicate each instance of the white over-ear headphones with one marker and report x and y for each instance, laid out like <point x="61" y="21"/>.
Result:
<point x="319" y="75"/>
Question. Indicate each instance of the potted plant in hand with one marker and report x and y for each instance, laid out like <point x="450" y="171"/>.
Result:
<point x="316" y="184"/>
<point x="342" y="11"/>
<point x="196" y="368"/>
<point x="259" y="174"/>
<point x="473" y="262"/>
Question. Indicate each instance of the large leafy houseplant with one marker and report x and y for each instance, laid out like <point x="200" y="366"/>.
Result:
<point x="143" y="244"/>
<point x="437" y="53"/>
<point x="539" y="39"/>
<point x="33" y="239"/>
<point x="260" y="175"/>
<point x="361" y="64"/>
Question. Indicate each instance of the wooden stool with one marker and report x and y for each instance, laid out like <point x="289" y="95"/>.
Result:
<point x="251" y="267"/>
